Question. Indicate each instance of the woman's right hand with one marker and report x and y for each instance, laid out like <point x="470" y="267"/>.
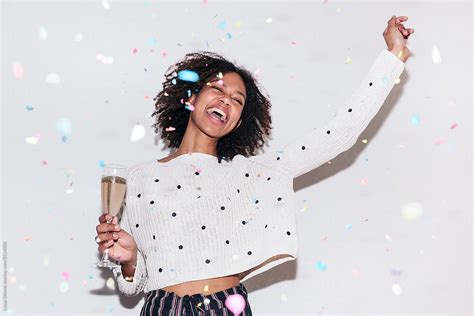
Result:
<point x="124" y="249"/>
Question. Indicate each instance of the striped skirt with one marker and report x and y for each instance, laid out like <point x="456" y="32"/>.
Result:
<point x="160" y="302"/>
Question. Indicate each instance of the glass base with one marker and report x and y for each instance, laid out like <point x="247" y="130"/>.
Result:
<point x="107" y="264"/>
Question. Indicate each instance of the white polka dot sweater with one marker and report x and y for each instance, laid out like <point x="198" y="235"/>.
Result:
<point x="194" y="218"/>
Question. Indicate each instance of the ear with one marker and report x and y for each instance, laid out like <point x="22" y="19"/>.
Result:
<point x="192" y="99"/>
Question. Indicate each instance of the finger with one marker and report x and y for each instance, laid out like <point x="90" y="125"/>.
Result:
<point x="106" y="237"/>
<point x="104" y="228"/>
<point x="114" y="220"/>
<point x="104" y="246"/>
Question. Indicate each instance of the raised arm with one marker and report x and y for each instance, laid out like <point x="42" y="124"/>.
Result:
<point x="323" y="143"/>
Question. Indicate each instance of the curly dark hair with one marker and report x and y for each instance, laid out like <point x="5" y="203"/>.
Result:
<point x="171" y="111"/>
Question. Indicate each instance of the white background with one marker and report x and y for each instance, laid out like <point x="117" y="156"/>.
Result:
<point x="50" y="210"/>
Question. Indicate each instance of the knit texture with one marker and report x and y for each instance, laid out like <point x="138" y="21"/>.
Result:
<point x="194" y="218"/>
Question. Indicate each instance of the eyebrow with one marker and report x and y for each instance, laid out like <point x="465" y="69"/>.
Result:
<point x="223" y="83"/>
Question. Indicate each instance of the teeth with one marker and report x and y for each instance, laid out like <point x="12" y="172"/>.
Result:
<point x="223" y="117"/>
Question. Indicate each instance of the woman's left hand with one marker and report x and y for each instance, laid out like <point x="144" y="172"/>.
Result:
<point x="396" y="36"/>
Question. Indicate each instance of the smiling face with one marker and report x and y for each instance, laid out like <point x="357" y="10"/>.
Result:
<point x="225" y="96"/>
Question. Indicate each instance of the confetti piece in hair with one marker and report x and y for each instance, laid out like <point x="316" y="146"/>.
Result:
<point x="220" y="75"/>
<point x="29" y="108"/>
<point x="42" y="32"/>
<point x="53" y="79"/>
<point x="18" y="70"/>
<point x="33" y="140"/>
<point x="454" y="125"/>
<point x="189" y="93"/>
<point x="170" y="129"/>
<point x="138" y="132"/>
<point x="256" y="73"/>
<point x="173" y="81"/>
<point x="188" y="75"/>
<point x="189" y="106"/>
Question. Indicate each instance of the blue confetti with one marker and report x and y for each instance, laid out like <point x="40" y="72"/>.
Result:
<point x="188" y="75"/>
<point x="321" y="265"/>
<point x="415" y="119"/>
<point x="29" y="107"/>
<point x="101" y="163"/>
<point x="349" y="226"/>
<point x="222" y="25"/>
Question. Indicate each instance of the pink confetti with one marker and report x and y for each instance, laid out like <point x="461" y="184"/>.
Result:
<point x="135" y="50"/>
<point x="18" y="70"/>
<point x="65" y="275"/>
<point x="439" y="141"/>
<point x="170" y="129"/>
<point x="454" y="125"/>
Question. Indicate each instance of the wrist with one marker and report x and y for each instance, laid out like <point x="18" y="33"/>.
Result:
<point x="398" y="52"/>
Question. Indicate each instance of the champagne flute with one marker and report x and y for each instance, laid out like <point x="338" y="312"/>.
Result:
<point x="113" y="189"/>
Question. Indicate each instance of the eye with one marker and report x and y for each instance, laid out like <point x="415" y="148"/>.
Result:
<point x="240" y="102"/>
<point x="216" y="88"/>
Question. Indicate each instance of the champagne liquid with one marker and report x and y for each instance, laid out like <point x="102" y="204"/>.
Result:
<point x="113" y="190"/>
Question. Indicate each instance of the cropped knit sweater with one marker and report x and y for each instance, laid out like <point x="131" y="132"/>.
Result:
<point x="194" y="218"/>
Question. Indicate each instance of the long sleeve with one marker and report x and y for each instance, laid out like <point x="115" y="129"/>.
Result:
<point x="140" y="277"/>
<point x="323" y="143"/>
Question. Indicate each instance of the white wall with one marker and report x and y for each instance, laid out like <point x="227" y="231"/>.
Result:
<point x="49" y="230"/>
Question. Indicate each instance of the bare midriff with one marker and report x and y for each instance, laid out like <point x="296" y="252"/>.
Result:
<point x="215" y="285"/>
<point x="205" y="287"/>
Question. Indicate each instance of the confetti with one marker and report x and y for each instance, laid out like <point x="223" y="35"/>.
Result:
<point x="412" y="211"/>
<point x="454" y="125"/>
<point x="64" y="128"/>
<point x="135" y="50"/>
<point x="106" y="60"/>
<point x="269" y="20"/>
<point x="138" y="132"/>
<point x="53" y="78"/>
<point x="170" y="129"/>
<point x="110" y="283"/>
<point x="436" y="56"/>
<point x="415" y="120"/>
<point x="78" y="37"/>
<point x="188" y="75"/>
<point x="321" y="266"/>
<point x="33" y="140"/>
<point x="29" y="108"/>
<point x="106" y="4"/>
<point x="397" y="289"/>
<point x="17" y="70"/>
<point x="42" y="33"/>
<point x="235" y="303"/>
<point x="63" y="287"/>
<point x="65" y="275"/>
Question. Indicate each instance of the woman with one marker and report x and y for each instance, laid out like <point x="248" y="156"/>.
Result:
<point x="213" y="214"/>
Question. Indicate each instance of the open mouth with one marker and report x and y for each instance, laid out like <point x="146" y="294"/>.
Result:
<point x="217" y="116"/>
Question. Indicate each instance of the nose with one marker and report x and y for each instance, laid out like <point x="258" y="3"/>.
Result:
<point x="225" y="102"/>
